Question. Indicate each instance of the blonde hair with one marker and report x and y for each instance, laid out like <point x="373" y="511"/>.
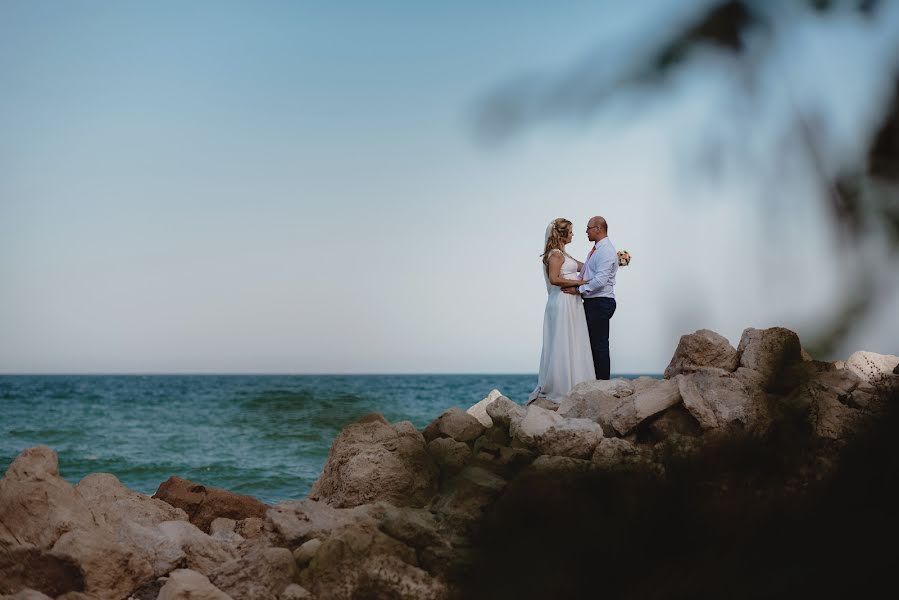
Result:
<point x="558" y="231"/>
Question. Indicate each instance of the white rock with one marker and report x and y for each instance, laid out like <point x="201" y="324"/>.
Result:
<point x="479" y="410"/>
<point x="870" y="366"/>
<point x="555" y="435"/>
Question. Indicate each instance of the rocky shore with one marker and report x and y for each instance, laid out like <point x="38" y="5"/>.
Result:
<point x="453" y="511"/>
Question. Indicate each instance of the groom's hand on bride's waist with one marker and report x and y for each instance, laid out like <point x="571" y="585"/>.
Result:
<point x="571" y="290"/>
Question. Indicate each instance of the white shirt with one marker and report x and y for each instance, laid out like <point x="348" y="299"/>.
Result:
<point x="599" y="271"/>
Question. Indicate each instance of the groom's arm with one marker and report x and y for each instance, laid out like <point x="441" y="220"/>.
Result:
<point x="605" y="264"/>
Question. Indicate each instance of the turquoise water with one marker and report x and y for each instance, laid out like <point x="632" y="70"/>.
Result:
<point x="263" y="435"/>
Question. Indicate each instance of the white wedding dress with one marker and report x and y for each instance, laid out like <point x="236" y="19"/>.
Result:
<point x="566" y="359"/>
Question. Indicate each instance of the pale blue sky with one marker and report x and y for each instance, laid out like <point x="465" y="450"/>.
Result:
<point x="296" y="187"/>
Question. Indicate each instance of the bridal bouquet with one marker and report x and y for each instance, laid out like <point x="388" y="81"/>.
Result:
<point x="624" y="258"/>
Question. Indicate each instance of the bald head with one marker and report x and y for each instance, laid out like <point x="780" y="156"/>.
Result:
<point x="597" y="229"/>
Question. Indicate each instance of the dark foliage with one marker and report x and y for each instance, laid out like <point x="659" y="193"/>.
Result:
<point x="748" y="518"/>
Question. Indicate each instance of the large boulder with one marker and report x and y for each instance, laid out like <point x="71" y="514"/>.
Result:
<point x="479" y="410"/>
<point x="202" y="552"/>
<point x="454" y="423"/>
<point x="639" y="407"/>
<point x="264" y="572"/>
<point x="377" y="461"/>
<point x="37" y="506"/>
<point x="161" y="551"/>
<point x="111" y="570"/>
<point x="29" y="567"/>
<point x="297" y="521"/>
<point x="613" y="452"/>
<point x="872" y="367"/>
<point x="827" y="398"/>
<point x="449" y="454"/>
<point x="117" y="504"/>
<point x="464" y="497"/>
<point x="703" y="348"/>
<point x="503" y="412"/>
<point x="676" y="420"/>
<point x="590" y="402"/>
<point x="553" y="434"/>
<point x="716" y="401"/>
<point x="204" y="504"/>
<point x="770" y="353"/>
<point x="359" y="561"/>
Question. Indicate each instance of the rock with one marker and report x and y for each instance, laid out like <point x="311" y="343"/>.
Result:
<point x="643" y="383"/>
<point x="29" y="594"/>
<point x="479" y="410"/>
<point x="261" y="573"/>
<point x="872" y="367"/>
<point x="544" y="403"/>
<point x="896" y="369"/>
<point x="466" y="496"/>
<point x="514" y="458"/>
<point x="677" y="446"/>
<point x="376" y="461"/>
<point x="250" y="528"/>
<point x="553" y="434"/>
<point x="834" y="420"/>
<point x="161" y="552"/>
<point x="297" y="521"/>
<point x="826" y="397"/>
<point x="703" y="348"/>
<point x="202" y="552"/>
<point x="222" y="526"/>
<point x="415" y="527"/>
<point x="295" y="592"/>
<point x="184" y="584"/>
<point x="373" y="418"/>
<point x="204" y="504"/>
<point x="305" y="552"/>
<point x="456" y="424"/>
<point x="26" y="566"/>
<point x="560" y="464"/>
<point x="359" y="561"/>
<point x="503" y="411"/>
<point x="117" y="504"/>
<point x="806" y="357"/>
<point x="449" y="454"/>
<point x="839" y="364"/>
<point x="37" y="506"/>
<point x="589" y="403"/>
<point x="769" y="352"/>
<point x="675" y="420"/>
<point x="111" y="570"/>
<point x="609" y="387"/>
<point x="612" y="452"/>
<point x="719" y="401"/>
<point x="635" y="409"/>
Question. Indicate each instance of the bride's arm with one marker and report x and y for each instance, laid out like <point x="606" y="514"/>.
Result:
<point x="554" y="269"/>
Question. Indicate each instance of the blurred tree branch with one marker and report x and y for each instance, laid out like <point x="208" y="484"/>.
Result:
<point x="862" y="199"/>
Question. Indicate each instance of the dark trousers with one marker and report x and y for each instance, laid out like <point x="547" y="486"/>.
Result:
<point x="599" y="311"/>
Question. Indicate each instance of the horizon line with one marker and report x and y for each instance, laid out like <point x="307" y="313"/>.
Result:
<point x="271" y="374"/>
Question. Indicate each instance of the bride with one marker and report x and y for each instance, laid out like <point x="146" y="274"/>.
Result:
<point x="566" y="359"/>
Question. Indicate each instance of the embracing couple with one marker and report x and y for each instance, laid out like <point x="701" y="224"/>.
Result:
<point x="581" y="301"/>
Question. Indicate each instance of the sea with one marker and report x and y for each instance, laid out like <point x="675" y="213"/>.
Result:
<point x="263" y="435"/>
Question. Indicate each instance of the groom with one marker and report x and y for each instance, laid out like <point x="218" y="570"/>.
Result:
<point x="599" y="272"/>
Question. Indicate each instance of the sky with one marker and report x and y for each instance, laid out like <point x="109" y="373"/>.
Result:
<point x="299" y="187"/>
